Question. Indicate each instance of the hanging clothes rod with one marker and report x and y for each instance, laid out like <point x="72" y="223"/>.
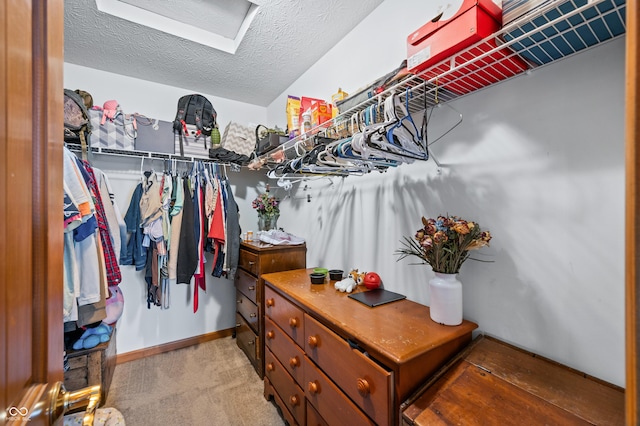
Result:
<point x="147" y="155"/>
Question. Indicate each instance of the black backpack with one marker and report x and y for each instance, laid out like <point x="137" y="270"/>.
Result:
<point x="77" y="125"/>
<point x="194" y="110"/>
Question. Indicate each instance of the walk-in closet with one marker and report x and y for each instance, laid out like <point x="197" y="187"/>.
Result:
<point x="305" y="213"/>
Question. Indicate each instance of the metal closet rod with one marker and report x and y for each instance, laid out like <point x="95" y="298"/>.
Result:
<point x="149" y="155"/>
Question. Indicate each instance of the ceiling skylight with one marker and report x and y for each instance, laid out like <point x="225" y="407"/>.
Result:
<point x="220" y="24"/>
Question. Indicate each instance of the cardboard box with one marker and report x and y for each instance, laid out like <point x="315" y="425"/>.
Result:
<point x="320" y="113"/>
<point x="440" y="38"/>
<point x="305" y="105"/>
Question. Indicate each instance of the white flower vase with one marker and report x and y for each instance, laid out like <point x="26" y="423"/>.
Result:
<point x="446" y="299"/>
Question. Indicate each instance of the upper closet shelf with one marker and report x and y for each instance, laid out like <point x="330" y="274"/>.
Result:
<point x="145" y="154"/>
<point x="554" y="30"/>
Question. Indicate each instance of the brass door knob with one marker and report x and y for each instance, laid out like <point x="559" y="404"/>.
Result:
<point x="58" y="401"/>
<point x="270" y="303"/>
<point x="270" y="334"/>
<point x="271" y="367"/>
<point x="294" y="362"/>
<point x="293" y="322"/>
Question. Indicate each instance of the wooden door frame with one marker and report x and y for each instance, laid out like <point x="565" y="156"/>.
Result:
<point x="632" y="211"/>
<point x="31" y="198"/>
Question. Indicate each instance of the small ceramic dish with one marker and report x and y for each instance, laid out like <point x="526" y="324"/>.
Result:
<point x="336" y="274"/>
<point x="320" y="271"/>
<point x="317" y="278"/>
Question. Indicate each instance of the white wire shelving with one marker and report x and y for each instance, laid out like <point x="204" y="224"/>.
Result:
<point x="554" y="30"/>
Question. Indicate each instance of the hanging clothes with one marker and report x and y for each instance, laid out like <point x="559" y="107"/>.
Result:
<point x="115" y="221"/>
<point x="233" y="232"/>
<point x="176" y="226"/>
<point x="217" y="234"/>
<point x="135" y="253"/>
<point x="199" y="219"/>
<point x="114" y="276"/>
<point x="91" y="243"/>
<point x="182" y="218"/>
<point x="187" y="260"/>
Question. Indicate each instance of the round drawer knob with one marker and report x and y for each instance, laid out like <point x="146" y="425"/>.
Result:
<point x="252" y="315"/>
<point x="294" y="400"/>
<point x="363" y="387"/>
<point x="294" y="362"/>
<point x="313" y="387"/>
<point x="271" y="334"/>
<point x="270" y="303"/>
<point x="293" y="322"/>
<point x="271" y="367"/>
<point x="313" y="341"/>
<point x="251" y="288"/>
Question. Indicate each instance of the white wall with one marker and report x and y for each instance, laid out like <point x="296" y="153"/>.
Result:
<point x="140" y="327"/>
<point x="538" y="161"/>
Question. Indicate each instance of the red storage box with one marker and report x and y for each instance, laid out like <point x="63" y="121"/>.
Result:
<point x="441" y="38"/>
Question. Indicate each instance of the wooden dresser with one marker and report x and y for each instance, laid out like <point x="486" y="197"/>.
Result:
<point x="331" y="360"/>
<point x="89" y="367"/>
<point x="258" y="258"/>
<point x="493" y="383"/>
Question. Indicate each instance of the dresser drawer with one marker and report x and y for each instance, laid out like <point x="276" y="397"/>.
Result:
<point x="332" y="405"/>
<point x="290" y="355"/>
<point x="289" y="317"/>
<point x="313" y="417"/>
<point x="247" y="284"/>
<point x="248" y="310"/>
<point x="361" y="378"/>
<point x="247" y="340"/>
<point x="290" y="393"/>
<point x="249" y="262"/>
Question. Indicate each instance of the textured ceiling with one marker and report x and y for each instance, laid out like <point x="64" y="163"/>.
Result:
<point x="284" y="40"/>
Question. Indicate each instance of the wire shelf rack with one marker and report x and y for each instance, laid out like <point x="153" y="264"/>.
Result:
<point x="554" y="30"/>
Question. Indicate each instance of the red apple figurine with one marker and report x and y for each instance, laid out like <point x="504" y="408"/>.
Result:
<point x="371" y="280"/>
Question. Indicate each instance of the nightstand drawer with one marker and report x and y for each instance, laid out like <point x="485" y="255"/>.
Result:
<point x="289" y="317"/>
<point x="248" y="310"/>
<point x="361" y="378"/>
<point x="285" y="349"/>
<point x="248" y="285"/>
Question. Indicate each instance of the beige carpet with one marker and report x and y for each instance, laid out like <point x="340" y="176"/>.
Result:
<point x="208" y="384"/>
